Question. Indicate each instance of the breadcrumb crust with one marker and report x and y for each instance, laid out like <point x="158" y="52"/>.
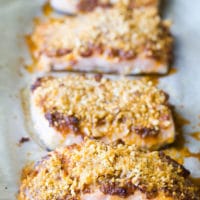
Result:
<point x="97" y="107"/>
<point x="117" y="33"/>
<point x="69" y="172"/>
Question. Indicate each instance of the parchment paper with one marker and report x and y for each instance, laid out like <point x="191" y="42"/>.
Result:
<point x="16" y="20"/>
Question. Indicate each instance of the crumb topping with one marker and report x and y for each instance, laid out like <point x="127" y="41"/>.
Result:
<point x="68" y="173"/>
<point x="98" y="108"/>
<point x="117" y="33"/>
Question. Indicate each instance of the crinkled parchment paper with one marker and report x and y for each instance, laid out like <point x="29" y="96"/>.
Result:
<point x="183" y="86"/>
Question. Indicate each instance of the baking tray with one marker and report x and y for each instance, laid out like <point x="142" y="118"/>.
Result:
<point x="182" y="83"/>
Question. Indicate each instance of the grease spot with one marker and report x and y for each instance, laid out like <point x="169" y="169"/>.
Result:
<point x="178" y="150"/>
<point x="172" y="70"/>
<point x="47" y="9"/>
<point x="196" y="135"/>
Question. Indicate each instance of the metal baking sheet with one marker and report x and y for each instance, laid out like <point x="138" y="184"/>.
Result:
<point x="182" y="84"/>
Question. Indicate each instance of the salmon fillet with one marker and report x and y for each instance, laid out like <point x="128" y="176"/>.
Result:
<point x="65" y="110"/>
<point x="117" y="40"/>
<point x="76" y="6"/>
<point x="94" y="170"/>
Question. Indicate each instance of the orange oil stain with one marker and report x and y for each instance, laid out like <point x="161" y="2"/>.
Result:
<point x="154" y="79"/>
<point x="180" y="121"/>
<point x="30" y="68"/>
<point x="26" y="170"/>
<point x="36" y="21"/>
<point x="30" y="43"/>
<point x="178" y="151"/>
<point x="31" y="47"/>
<point x="180" y="154"/>
<point x="196" y="181"/>
<point x="47" y="9"/>
<point x="172" y="71"/>
<point x="196" y="135"/>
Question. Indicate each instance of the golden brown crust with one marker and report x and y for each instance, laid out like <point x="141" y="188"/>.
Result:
<point x="101" y="108"/>
<point x="63" y="123"/>
<point x="117" y="33"/>
<point x="114" y="169"/>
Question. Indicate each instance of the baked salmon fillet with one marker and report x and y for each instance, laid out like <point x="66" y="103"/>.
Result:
<point x="94" y="170"/>
<point x="65" y="110"/>
<point x="77" y="6"/>
<point x="117" y="40"/>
